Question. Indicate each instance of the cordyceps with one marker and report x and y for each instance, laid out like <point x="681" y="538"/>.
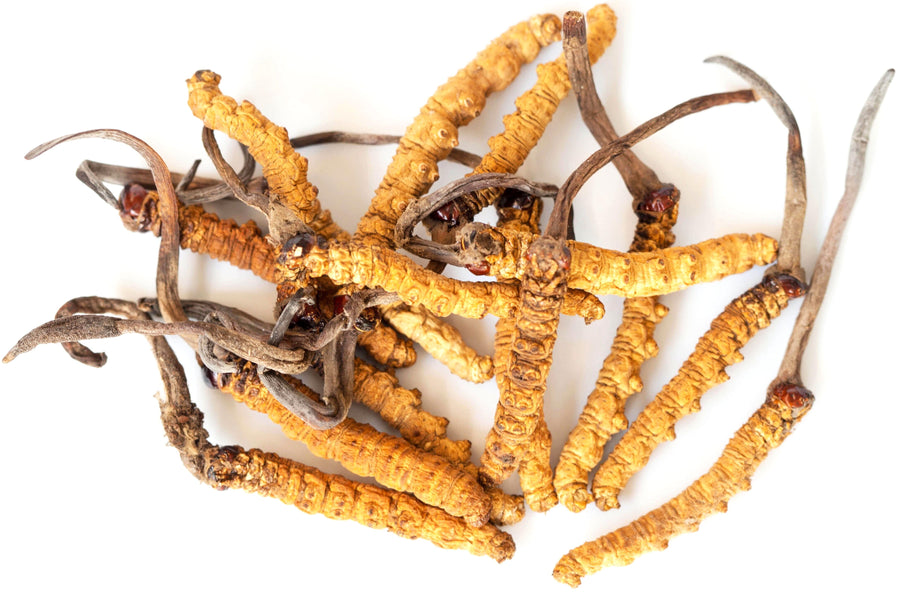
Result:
<point x="787" y="402"/>
<point x="348" y="308"/>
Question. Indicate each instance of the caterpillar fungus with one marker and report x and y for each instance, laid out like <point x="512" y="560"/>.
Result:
<point x="656" y="206"/>
<point x="433" y="132"/>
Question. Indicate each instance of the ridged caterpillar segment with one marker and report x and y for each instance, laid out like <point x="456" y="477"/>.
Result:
<point x="605" y="271"/>
<point x="434" y="131"/>
<point x="535" y="108"/>
<point x="377" y="267"/>
<point x="402" y="409"/>
<point x="764" y="431"/>
<point x="520" y="409"/>
<point x="269" y="144"/>
<point x="243" y="246"/>
<point x="619" y="377"/>
<point x="390" y="460"/>
<point x="441" y="340"/>
<point x="718" y="348"/>
<point x="336" y="497"/>
<point x="604" y="412"/>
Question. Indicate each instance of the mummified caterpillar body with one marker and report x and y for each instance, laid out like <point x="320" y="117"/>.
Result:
<point x="763" y="431"/>
<point x="440" y="340"/>
<point x="377" y="267"/>
<point x="718" y="348"/>
<point x="402" y="408"/>
<point x="534" y="110"/>
<point x="243" y="246"/>
<point x="270" y="146"/>
<point x="433" y="133"/>
<point x="520" y="409"/>
<point x="604" y="413"/>
<point x="336" y="497"/>
<point x="604" y="271"/>
<point x="619" y="377"/>
<point x="364" y="451"/>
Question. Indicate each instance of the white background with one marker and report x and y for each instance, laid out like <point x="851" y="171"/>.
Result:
<point x="91" y="494"/>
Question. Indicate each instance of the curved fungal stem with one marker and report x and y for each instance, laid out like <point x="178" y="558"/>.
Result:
<point x="567" y="192"/>
<point x="795" y="192"/>
<point x="790" y="366"/>
<point x="167" y="265"/>
<point x="456" y="155"/>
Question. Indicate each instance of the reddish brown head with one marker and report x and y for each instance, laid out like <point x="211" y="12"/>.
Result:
<point x="132" y="207"/>
<point x="797" y="397"/>
<point x="792" y="286"/>
<point x="660" y="200"/>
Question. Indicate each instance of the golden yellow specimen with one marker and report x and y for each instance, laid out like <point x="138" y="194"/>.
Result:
<point x="270" y="146"/>
<point x="535" y="109"/>
<point x="605" y="271"/>
<point x="762" y="432"/>
<point x="336" y="497"/>
<point x="377" y="267"/>
<point x="433" y="133"/>
<point x="392" y="461"/>
<point x="718" y="348"/>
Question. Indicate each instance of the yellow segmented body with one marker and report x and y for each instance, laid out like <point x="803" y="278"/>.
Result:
<point x="619" y="377"/>
<point x="433" y="133"/>
<point x="604" y="271"/>
<point x="243" y="246"/>
<point x="520" y="409"/>
<point x="718" y="348"/>
<point x="762" y="432"/>
<point x="402" y="409"/>
<point x="269" y="144"/>
<point x="390" y="460"/>
<point x="336" y="497"/>
<point x="377" y="267"/>
<point x="441" y="340"/>
<point x="535" y="108"/>
<point x="387" y="347"/>
<point x="604" y="413"/>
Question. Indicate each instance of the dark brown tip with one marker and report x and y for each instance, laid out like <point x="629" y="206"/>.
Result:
<point x="449" y="213"/>
<point x="305" y="241"/>
<point x="515" y="198"/>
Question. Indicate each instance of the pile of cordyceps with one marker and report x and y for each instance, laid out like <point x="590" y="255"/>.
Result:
<point x="340" y="293"/>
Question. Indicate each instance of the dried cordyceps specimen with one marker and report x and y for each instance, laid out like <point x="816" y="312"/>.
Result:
<point x="433" y="133"/>
<point x="333" y="290"/>
<point x="366" y="452"/>
<point x="442" y="341"/>
<point x="604" y="271"/>
<point x="786" y="403"/>
<point x="401" y="408"/>
<point x="534" y="110"/>
<point x="243" y="246"/>
<point x="720" y="346"/>
<point x="377" y="267"/>
<point x="284" y="169"/>
<point x="656" y="206"/>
